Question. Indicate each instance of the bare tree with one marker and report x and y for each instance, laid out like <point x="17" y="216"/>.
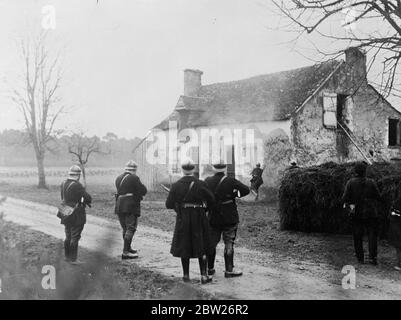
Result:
<point x="381" y="17"/>
<point x="82" y="147"/>
<point x="37" y="97"/>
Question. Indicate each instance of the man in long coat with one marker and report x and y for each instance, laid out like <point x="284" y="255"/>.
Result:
<point x="190" y="198"/>
<point x="130" y="192"/>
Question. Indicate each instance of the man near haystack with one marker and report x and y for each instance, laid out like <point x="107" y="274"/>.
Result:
<point x="224" y="218"/>
<point x="359" y="197"/>
<point x="130" y="192"/>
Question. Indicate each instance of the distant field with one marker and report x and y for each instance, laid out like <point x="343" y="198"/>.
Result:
<point x="54" y="175"/>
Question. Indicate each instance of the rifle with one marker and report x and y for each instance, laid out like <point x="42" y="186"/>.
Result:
<point x="164" y="187"/>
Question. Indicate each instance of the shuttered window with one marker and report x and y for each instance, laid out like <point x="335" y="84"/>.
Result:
<point x="330" y="110"/>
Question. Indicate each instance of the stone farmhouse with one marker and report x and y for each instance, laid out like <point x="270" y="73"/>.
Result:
<point x="319" y="113"/>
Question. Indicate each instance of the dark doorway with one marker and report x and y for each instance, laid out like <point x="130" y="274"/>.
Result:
<point x="343" y="141"/>
<point x="230" y="161"/>
<point x="393" y="132"/>
<point x="341" y="98"/>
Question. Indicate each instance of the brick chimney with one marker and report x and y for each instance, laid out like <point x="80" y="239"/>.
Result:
<point x="356" y="60"/>
<point x="192" y="82"/>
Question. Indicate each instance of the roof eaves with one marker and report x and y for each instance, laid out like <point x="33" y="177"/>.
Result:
<point x="381" y="96"/>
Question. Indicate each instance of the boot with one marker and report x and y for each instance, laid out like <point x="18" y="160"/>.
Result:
<point x="67" y="250"/>
<point x="210" y="262"/>
<point x="74" y="255"/>
<point x="203" y="270"/>
<point x="398" y="265"/>
<point x="229" y="261"/>
<point x="185" y="269"/>
<point x="127" y="254"/>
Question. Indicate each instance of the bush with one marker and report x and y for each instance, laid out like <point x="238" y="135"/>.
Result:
<point x="310" y="198"/>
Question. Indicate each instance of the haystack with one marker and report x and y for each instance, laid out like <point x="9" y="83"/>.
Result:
<point x="310" y="198"/>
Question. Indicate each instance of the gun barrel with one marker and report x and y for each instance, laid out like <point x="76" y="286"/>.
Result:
<point x="164" y="187"/>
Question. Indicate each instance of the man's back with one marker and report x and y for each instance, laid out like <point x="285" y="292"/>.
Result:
<point x="227" y="186"/>
<point x="360" y="189"/>
<point x="130" y="183"/>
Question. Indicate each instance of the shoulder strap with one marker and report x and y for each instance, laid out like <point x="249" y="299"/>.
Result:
<point x="121" y="182"/>
<point x="218" y="185"/>
<point x="65" y="190"/>
<point x="189" y="190"/>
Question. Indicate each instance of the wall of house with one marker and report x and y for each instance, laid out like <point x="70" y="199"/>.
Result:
<point x="315" y="144"/>
<point x="265" y="133"/>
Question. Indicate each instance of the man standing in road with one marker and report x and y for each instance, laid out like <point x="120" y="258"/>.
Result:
<point x="130" y="192"/>
<point x="191" y="238"/>
<point x="224" y="218"/>
<point x="359" y="196"/>
<point x="73" y="194"/>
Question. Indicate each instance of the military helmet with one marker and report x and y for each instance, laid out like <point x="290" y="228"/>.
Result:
<point x="187" y="166"/>
<point x="75" y="170"/>
<point x="219" y="167"/>
<point x="131" y="166"/>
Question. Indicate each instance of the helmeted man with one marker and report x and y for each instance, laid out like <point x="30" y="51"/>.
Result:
<point x="359" y="196"/>
<point x="256" y="180"/>
<point x="130" y="192"/>
<point x="224" y="217"/>
<point x="190" y="198"/>
<point x="74" y="195"/>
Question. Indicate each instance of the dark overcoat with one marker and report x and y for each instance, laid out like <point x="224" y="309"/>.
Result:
<point x="225" y="215"/>
<point x="73" y="192"/>
<point x="364" y="194"/>
<point x="128" y="183"/>
<point x="191" y="237"/>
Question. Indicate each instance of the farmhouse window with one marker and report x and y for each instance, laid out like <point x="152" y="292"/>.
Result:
<point x="394" y="132"/>
<point x="330" y="110"/>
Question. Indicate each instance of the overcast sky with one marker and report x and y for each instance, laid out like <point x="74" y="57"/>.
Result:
<point x="124" y="59"/>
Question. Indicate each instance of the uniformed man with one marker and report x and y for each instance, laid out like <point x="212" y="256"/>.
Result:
<point x="224" y="218"/>
<point x="190" y="198"/>
<point x="256" y="180"/>
<point x="130" y="192"/>
<point x="74" y="195"/>
<point x="359" y="196"/>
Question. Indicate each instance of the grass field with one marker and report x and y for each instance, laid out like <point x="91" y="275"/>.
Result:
<point x="259" y="222"/>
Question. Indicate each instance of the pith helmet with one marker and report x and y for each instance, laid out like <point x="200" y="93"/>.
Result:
<point x="75" y="171"/>
<point x="187" y="166"/>
<point x="131" y="166"/>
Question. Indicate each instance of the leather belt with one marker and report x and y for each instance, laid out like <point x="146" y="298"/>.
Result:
<point x="227" y="202"/>
<point x="192" y="205"/>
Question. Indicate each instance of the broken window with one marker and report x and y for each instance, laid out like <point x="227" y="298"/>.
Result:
<point x="330" y="110"/>
<point x="394" y="132"/>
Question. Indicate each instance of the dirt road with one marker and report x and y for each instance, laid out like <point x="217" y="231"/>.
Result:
<point x="263" y="279"/>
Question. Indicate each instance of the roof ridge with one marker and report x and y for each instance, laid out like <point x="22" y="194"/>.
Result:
<point x="333" y="61"/>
